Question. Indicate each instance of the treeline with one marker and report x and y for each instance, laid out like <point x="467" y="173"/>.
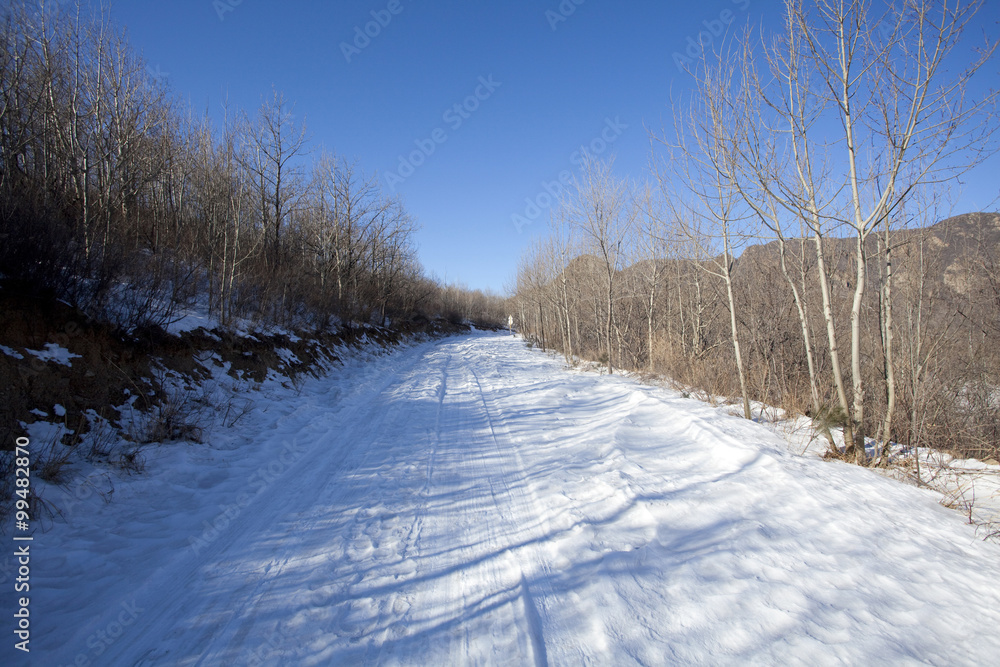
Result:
<point x="116" y="198"/>
<point x="784" y="248"/>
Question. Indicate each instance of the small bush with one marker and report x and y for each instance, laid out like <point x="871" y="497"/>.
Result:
<point x="130" y="460"/>
<point x="829" y="417"/>
<point x="180" y="415"/>
<point x="50" y="465"/>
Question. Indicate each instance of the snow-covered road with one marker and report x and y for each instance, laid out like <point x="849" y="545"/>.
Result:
<point x="469" y="501"/>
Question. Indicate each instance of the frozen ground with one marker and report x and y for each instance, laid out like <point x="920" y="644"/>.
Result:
<point x="468" y="501"/>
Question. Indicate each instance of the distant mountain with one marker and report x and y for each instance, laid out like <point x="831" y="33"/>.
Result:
<point x="951" y="249"/>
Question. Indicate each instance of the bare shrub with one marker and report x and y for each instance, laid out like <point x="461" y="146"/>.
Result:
<point x="51" y="464"/>
<point x="180" y="414"/>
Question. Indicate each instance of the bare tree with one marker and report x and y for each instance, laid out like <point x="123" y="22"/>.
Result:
<point x="603" y="214"/>
<point x="703" y="161"/>
<point x="903" y="122"/>
<point x="274" y="142"/>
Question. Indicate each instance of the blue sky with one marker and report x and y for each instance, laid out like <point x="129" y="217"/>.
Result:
<point x="533" y="81"/>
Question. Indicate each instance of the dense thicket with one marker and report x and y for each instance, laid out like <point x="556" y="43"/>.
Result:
<point x="786" y="248"/>
<point x="117" y="199"/>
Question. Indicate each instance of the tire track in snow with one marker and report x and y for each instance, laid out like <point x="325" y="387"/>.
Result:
<point x="477" y="572"/>
<point x="448" y="513"/>
<point x="183" y="589"/>
<point x="467" y="584"/>
<point x="365" y="420"/>
<point x="527" y="507"/>
<point x="410" y="544"/>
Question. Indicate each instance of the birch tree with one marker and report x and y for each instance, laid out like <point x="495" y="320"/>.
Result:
<point x="703" y="162"/>
<point x="871" y="114"/>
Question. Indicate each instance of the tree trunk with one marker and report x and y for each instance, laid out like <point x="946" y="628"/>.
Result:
<point x="831" y="335"/>
<point x="728" y="278"/>
<point x="857" y="447"/>
<point x="887" y="338"/>
<point x="803" y="313"/>
<point x="609" y="321"/>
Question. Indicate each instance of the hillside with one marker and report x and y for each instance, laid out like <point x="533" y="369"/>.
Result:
<point x="952" y="247"/>
<point x="87" y="392"/>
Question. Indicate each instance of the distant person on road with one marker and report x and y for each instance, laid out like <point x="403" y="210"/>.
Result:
<point x="510" y="324"/>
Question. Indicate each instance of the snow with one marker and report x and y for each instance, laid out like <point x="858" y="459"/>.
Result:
<point x="45" y="436"/>
<point x="968" y="485"/>
<point x="191" y="319"/>
<point x="287" y="356"/>
<point x="470" y="501"/>
<point x="55" y="352"/>
<point x="10" y="352"/>
<point x="197" y="316"/>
